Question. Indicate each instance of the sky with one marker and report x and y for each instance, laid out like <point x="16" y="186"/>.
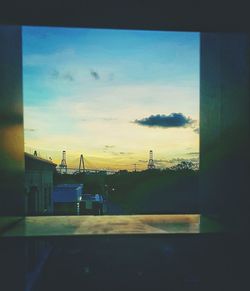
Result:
<point x="111" y="95"/>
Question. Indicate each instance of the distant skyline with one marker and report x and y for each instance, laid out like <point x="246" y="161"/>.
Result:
<point x="111" y="95"/>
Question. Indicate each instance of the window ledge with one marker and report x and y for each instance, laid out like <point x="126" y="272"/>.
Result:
<point x="103" y="225"/>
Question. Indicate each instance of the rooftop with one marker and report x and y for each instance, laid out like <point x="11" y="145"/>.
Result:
<point x="33" y="157"/>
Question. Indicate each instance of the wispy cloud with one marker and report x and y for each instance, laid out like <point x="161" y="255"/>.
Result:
<point x="161" y="162"/>
<point x="179" y="160"/>
<point x="108" y="118"/>
<point x="120" y="153"/>
<point x="42" y="59"/>
<point x="109" y="146"/>
<point x="68" y="76"/>
<point x="110" y="149"/>
<point x="55" y="74"/>
<point x="192" y="153"/>
<point x="162" y="120"/>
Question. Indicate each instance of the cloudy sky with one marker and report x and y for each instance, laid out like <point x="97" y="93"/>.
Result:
<point x="111" y="95"/>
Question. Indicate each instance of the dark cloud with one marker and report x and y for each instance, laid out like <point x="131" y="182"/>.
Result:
<point x="162" y="120"/>
<point x="95" y="75"/>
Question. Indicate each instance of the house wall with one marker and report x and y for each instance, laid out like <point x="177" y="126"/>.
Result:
<point x="43" y="181"/>
<point x="38" y="186"/>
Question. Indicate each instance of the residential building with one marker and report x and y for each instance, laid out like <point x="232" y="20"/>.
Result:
<point x="38" y="185"/>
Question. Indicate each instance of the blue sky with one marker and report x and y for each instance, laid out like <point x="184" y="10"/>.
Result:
<point x="84" y="88"/>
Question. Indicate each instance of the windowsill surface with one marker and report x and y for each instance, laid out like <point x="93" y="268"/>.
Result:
<point x="103" y="225"/>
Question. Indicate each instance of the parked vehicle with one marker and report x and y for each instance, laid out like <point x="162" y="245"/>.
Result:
<point x="66" y="197"/>
<point x="92" y="204"/>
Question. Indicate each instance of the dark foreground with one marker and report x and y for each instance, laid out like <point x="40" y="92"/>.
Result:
<point x="133" y="262"/>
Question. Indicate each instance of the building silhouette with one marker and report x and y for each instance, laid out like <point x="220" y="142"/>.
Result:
<point x="38" y="185"/>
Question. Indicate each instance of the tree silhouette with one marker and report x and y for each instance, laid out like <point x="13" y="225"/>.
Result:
<point x="184" y="165"/>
